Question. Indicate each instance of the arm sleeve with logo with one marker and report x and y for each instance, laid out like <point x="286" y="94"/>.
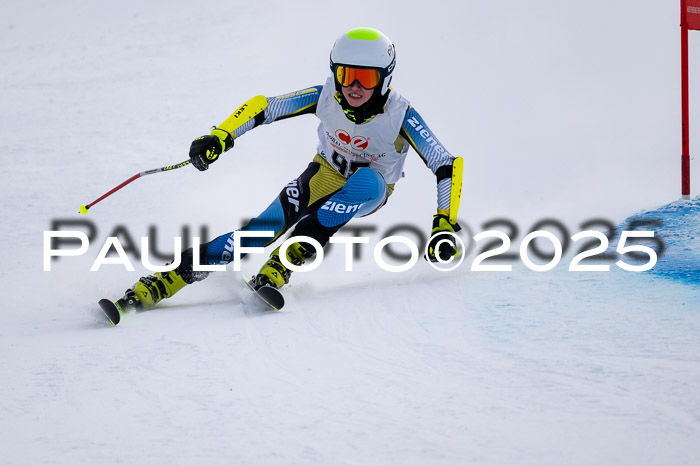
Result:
<point x="432" y="152"/>
<point x="284" y="106"/>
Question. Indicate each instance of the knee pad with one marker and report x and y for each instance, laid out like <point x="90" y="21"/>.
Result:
<point x="375" y="184"/>
<point x="363" y="193"/>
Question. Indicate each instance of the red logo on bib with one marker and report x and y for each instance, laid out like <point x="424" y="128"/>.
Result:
<point x="343" y="135"/>
<point x="357" y="143"/>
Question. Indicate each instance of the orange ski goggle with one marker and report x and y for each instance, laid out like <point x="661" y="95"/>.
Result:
<point x="367" y="77"/>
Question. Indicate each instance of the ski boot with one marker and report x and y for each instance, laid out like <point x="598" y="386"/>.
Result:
<point x="150" y="290"/>
<point x="274" y="273"/>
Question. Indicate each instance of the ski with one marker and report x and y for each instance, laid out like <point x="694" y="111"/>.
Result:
<point x="111" y="310"/>
<point x="268" y="294"/>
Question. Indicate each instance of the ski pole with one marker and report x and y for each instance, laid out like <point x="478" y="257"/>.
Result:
<point x="241" y="116"/>
<point x="84" y="208"/>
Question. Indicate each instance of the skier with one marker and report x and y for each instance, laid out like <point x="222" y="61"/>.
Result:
<point x="365" y="132"/>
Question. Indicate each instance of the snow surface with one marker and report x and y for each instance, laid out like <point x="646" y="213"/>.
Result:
<point x="562" y="110"/>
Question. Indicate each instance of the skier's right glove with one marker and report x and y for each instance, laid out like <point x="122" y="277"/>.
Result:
<point x="441" y="232"/>
<point x="205" y="150"/>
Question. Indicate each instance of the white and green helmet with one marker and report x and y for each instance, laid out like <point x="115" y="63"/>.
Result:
<point x="361" y="49"/>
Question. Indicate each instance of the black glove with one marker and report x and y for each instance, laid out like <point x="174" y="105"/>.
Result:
<point x="441" y="231"/>
<point x="205" y="150"/>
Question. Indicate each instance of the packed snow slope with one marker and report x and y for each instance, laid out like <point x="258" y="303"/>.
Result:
<point x="568" y="117"/>
<point x="678" y="225"/>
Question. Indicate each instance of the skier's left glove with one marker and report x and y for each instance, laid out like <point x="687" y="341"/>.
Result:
<point x="205" y="150"/>
<point x="443" y="244"/>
